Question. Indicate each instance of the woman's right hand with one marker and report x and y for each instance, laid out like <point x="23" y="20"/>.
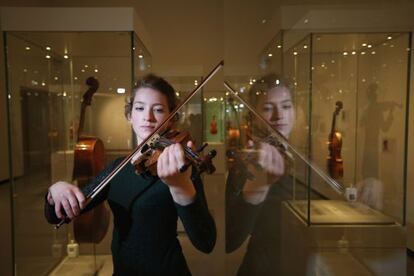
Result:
<point x="67" y="197"/>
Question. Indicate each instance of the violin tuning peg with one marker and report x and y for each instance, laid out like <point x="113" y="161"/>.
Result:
<point x="212" y="153"/>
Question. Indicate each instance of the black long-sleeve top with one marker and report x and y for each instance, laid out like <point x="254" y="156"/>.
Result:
<point x="144" y="240"/>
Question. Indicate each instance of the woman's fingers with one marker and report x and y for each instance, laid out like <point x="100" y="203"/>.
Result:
<point x="74" y="205"/>
<point x="58" y="209"/>
<point x="67" y="208"/>
<point x="81" y="198"/>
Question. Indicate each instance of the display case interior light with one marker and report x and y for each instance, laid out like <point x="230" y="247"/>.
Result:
<point x="120" y="90"/>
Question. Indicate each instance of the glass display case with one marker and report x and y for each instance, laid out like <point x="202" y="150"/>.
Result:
<point x="46" y="84"/>
<point x="337" y="114"/>
<point x="351" y="116"/>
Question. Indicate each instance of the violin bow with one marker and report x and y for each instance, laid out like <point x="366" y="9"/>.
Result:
<point x="127" y="159"/>
<point x="282" y="139"/>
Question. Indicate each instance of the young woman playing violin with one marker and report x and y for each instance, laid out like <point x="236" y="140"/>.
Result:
<point x="255" y="190"/>
<point x="145" y="209"/>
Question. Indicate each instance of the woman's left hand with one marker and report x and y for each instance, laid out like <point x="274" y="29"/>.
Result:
<point x="168" y="169"/>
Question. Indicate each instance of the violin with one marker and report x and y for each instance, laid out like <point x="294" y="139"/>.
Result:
<point x="334" y="160"/>
<point x="146" y="163"/>
<point x="239" y="158"/>
<point x="152" y="143"/>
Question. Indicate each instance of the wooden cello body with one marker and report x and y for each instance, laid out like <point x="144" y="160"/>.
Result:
<point x="89" y="156"/>
<point x="334" y="160"/>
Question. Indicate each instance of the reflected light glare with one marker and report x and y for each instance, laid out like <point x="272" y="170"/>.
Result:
<point x="120" y="90"/>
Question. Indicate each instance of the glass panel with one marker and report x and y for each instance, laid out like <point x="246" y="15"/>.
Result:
<point x="34" y="82"/>
<point x="48" y="73"/>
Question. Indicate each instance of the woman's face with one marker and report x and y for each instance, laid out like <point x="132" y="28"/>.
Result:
<point x="149" y="110"/>
<point x="277" y="108"/>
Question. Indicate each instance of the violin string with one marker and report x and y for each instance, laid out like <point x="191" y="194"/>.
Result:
<point x="165" y="142"/>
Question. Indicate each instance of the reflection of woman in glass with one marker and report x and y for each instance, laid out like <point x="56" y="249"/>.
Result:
<point x="145" y="210"/>
<point x="255" y="190"/>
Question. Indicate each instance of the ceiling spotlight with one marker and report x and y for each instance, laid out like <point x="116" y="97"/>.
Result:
<point x="140" y="56"/>
<point x="83" y="70"/>
<point x="48" y="56"/>
<point x="369" y="46"/>
<point x="353" y="52"/>
<point x="389" y="37"/>
<point x="65" y="56"/>
<point x="295" y="53"/>
<point x="27" y="48"/>
<point x="48" y="48"/>
<point x="345" y="53"/>
<point x="364" y="45"/>
<point x="96" y="70"/>
<point x="305" y="46"/>
<point x="279" y="46"/>
<point x="86" y="65"/>
<point x="270" y="55"/>
<point x="362" y="53"/>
